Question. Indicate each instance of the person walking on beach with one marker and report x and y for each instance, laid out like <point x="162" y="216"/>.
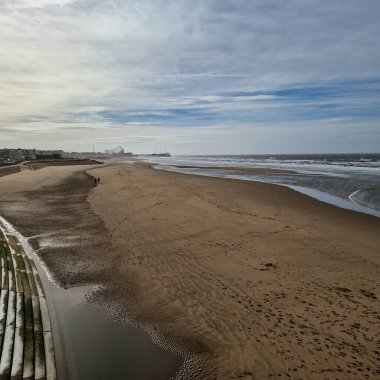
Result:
<point x="98" y="180"/>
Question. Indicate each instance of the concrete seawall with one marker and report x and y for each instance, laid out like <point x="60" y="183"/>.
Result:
<point x="26" y="343"/>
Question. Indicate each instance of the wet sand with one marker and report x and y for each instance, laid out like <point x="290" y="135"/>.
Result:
<point x="49" y="207"/>
<point x="8" y="170"/>
<point x="247" y="280"/>
<point x="239" y="169"/>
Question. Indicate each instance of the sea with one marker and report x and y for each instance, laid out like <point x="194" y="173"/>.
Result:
<point x="349" y="181"/>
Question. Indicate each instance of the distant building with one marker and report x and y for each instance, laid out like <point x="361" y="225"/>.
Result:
<point x="29" y="154"/>
<point x="4" y="156"/>
<point x="19" y="155"/>
<point x="13" y="156"/>
<point x="119" y="151"/>
<point x="49" y="154"/>
<point x="10" y="155"/>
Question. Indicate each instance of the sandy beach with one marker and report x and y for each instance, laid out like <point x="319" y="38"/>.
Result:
<point x="246" y="280"/>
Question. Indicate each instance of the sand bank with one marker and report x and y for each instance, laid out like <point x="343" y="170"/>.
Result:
<point x="248" y="280"/>
<point x="257" y="280"/>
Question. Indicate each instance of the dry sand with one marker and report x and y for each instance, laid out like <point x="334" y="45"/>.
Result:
<point x="250" y="280"/>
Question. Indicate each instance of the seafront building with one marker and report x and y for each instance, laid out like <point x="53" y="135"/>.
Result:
<point x="18" y="155"/>
<point x="13" y="156"/>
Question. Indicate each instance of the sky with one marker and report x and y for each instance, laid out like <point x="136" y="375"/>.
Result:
<point x="191" y="77"/>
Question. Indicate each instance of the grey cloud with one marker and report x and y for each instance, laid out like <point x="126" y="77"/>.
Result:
<point x="64" y="61"/>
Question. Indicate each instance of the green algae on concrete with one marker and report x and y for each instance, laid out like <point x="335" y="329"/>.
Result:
<point x="10" y="322"/>
<point x="26" y="343"/>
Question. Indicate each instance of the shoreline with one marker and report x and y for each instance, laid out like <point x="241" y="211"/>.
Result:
<point x="224" y="268"/>
<point x="322" y="196"/>
<point x="255" y="170"/>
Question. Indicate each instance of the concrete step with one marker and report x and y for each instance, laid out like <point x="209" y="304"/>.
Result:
<point x="26" y="342"/>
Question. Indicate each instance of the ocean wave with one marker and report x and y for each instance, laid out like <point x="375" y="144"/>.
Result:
<point x="363" y="197"/>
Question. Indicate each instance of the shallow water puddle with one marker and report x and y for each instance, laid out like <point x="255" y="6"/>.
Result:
<point x="90" y="345"/>
<point x="96" y="347"/>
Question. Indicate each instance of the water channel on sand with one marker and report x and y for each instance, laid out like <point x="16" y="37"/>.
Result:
<point x="95" y="347"/>
<point x="90" y="345"/>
